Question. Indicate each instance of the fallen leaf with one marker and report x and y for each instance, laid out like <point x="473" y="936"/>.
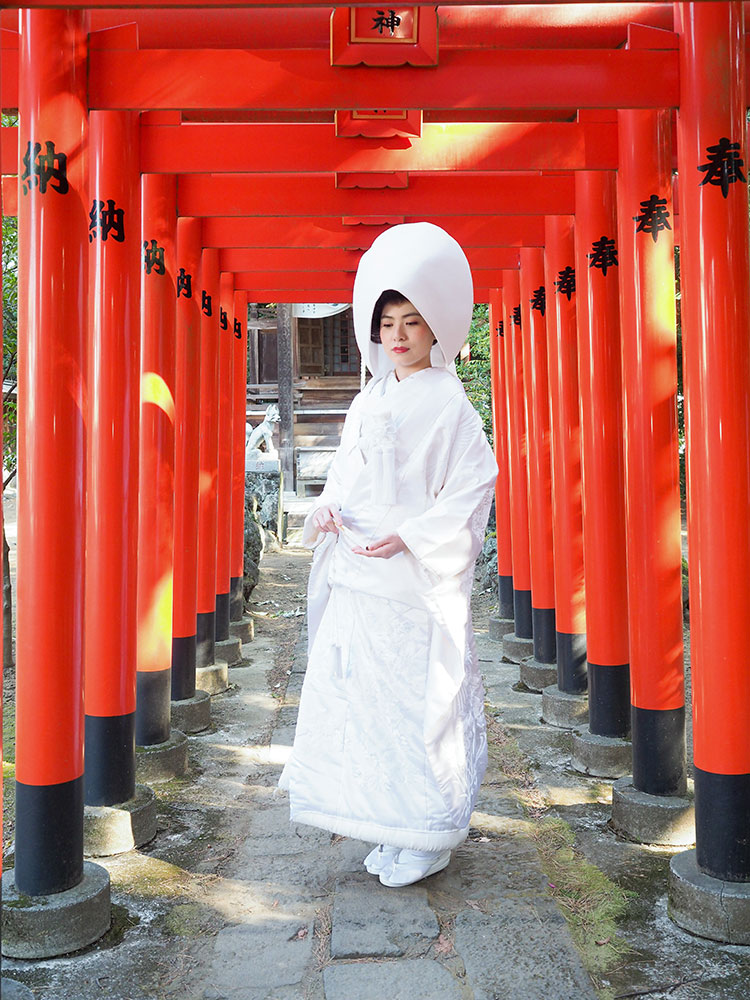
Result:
<point x="302" y="933"/>
<point x="443" y="945"/>
<point x="604" y="941"/>
<point x="474" y="904"/>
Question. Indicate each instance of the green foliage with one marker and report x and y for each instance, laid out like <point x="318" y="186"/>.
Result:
<point x="475" y="373"/>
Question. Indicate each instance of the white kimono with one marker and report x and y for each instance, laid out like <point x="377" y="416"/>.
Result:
<point x="390" y="745"/>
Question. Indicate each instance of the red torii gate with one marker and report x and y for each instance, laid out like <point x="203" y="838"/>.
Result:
<point x="123" y="78"/>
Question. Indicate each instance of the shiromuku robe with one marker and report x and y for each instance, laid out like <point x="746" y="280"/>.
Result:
<point x="390" y="745"/>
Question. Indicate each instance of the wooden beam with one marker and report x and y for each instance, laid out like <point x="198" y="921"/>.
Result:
<point x="320" y="263"/>
<point x="303" y="148"/>
<point x="284" y="232"/>
<point x="434" y="194"/>
<point x="298" y="78"/>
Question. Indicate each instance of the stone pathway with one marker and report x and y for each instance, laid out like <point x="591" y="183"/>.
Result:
<point x="315" y="925"/>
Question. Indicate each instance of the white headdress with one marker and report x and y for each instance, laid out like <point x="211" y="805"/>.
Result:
<point x="430" y="269"/>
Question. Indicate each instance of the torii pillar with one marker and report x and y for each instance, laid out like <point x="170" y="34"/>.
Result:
<point x="651" y="807"/>
<point x="517" y="644"/>
<point x="119" y="814"/>
<point x="540" y="670"/>
<point x="709" y="891"/>
<point x="191" y="707"/>
<point x="565" y="704"/>
<point x="164" y="752"/>
<point x="602" y="748"/>
<point x="503" y="623"/>
<point x="52" y="317"/>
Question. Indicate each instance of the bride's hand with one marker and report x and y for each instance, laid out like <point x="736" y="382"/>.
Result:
<point x="385" y="548"/>
<point x="327" y="519"/>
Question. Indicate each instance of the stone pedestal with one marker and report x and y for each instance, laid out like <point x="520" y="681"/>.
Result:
<point x="214" y="678"/>
<point x="109" y="830"/>
<point x="500" y="627"/>
<point x="515" y="649"/>
<point x="537" y="676"/>
<point x="652" y="819"/>
<point x="244" y="629"/>
<point x="229" y="650"/>
<point x="45" y="926"/>
<point x="566" y="711"/>
<point x="601" y="756"/>
<point x="708" y="907"/>
<point x="163" y="761"/>
<point x="192" y="715"/>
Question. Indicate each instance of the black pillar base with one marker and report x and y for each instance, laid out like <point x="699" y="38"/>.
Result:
<point x="572" y="675"/>
<point x="109" y="777"/>
<point x="543" y="630"/>
<point x="222" y="616"/>
<point x="183" y="667"/>
<point x="609" y="700"/>
<point x="722" y="825"/>
<point x="659" y="765"/>
<point x="205" y="653"/>
<point x="152" y="707"/>
<point x="505" y="596"/>
<point x="522" y="614"/>
<point x="236" y="599"/>
<point x="49" y="837"/>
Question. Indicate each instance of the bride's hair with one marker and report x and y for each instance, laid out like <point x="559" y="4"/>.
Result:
<point x="390" y="297"/>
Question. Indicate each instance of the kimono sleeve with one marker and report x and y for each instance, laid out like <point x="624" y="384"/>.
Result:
<point x="341" y="473"/>
<point x="447" y="537"/>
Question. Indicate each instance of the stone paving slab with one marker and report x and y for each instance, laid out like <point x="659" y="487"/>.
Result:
<point x="405" y="979"/>
<point x="250" y="957"/>
<point x="369" y="919"/>
<point x="523" y="951"/>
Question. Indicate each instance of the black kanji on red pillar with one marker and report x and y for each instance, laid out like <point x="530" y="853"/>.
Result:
<point x="106" y="221"/>
<point x="153" y="258"/>
<point x="603" y="254"/>
<point x="238" y="329"/>
<point x="723" y="167"/>
<point x="184" y="284"/>
<point x="43" y="169"/>
<point x="653" y="218"/>
<point x="223" y="319"/>
<point x="539" y="299"/>
<point x="206" y="303"/>
<point x="499" y="328"/>
<point x="517" y="316"/>
<point x="566" y="282"/>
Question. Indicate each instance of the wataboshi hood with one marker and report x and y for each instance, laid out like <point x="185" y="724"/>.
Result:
<point x="427" y="266"/>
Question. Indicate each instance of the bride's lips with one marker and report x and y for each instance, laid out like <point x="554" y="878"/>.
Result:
<point x="399" y="350"/>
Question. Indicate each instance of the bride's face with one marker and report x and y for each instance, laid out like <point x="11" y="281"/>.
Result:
<point x="406" y="338"/>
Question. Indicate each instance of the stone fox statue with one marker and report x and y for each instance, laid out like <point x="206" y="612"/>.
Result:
<point x="264" y="431"/>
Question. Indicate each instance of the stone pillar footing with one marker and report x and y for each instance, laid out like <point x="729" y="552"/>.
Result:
<point x="109" y="830"/>
<point x="500" y="627"/>
<point x="163" y="761"/>
<point x="706" y="906"/>
<point x="11" y="989"/>
<point x="537" y="676"/>
<point x="45" y="926"/>
<point x="601" y="756"/>
<point x="192" y="715"/>
<point x="564" y="710"/>
<point x="515" y="649"/>
<point x="214" y="678"/>
<point x="229" y="650"/>
<point x="652" y="819"/>
<point x="244" y="629"/>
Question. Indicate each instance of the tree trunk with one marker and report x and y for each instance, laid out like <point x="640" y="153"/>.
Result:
<point x="7" y="607"/>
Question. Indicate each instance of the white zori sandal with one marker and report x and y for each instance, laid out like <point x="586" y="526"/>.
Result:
<point x="412" y="866"/>
<point x="380" y="858"/>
